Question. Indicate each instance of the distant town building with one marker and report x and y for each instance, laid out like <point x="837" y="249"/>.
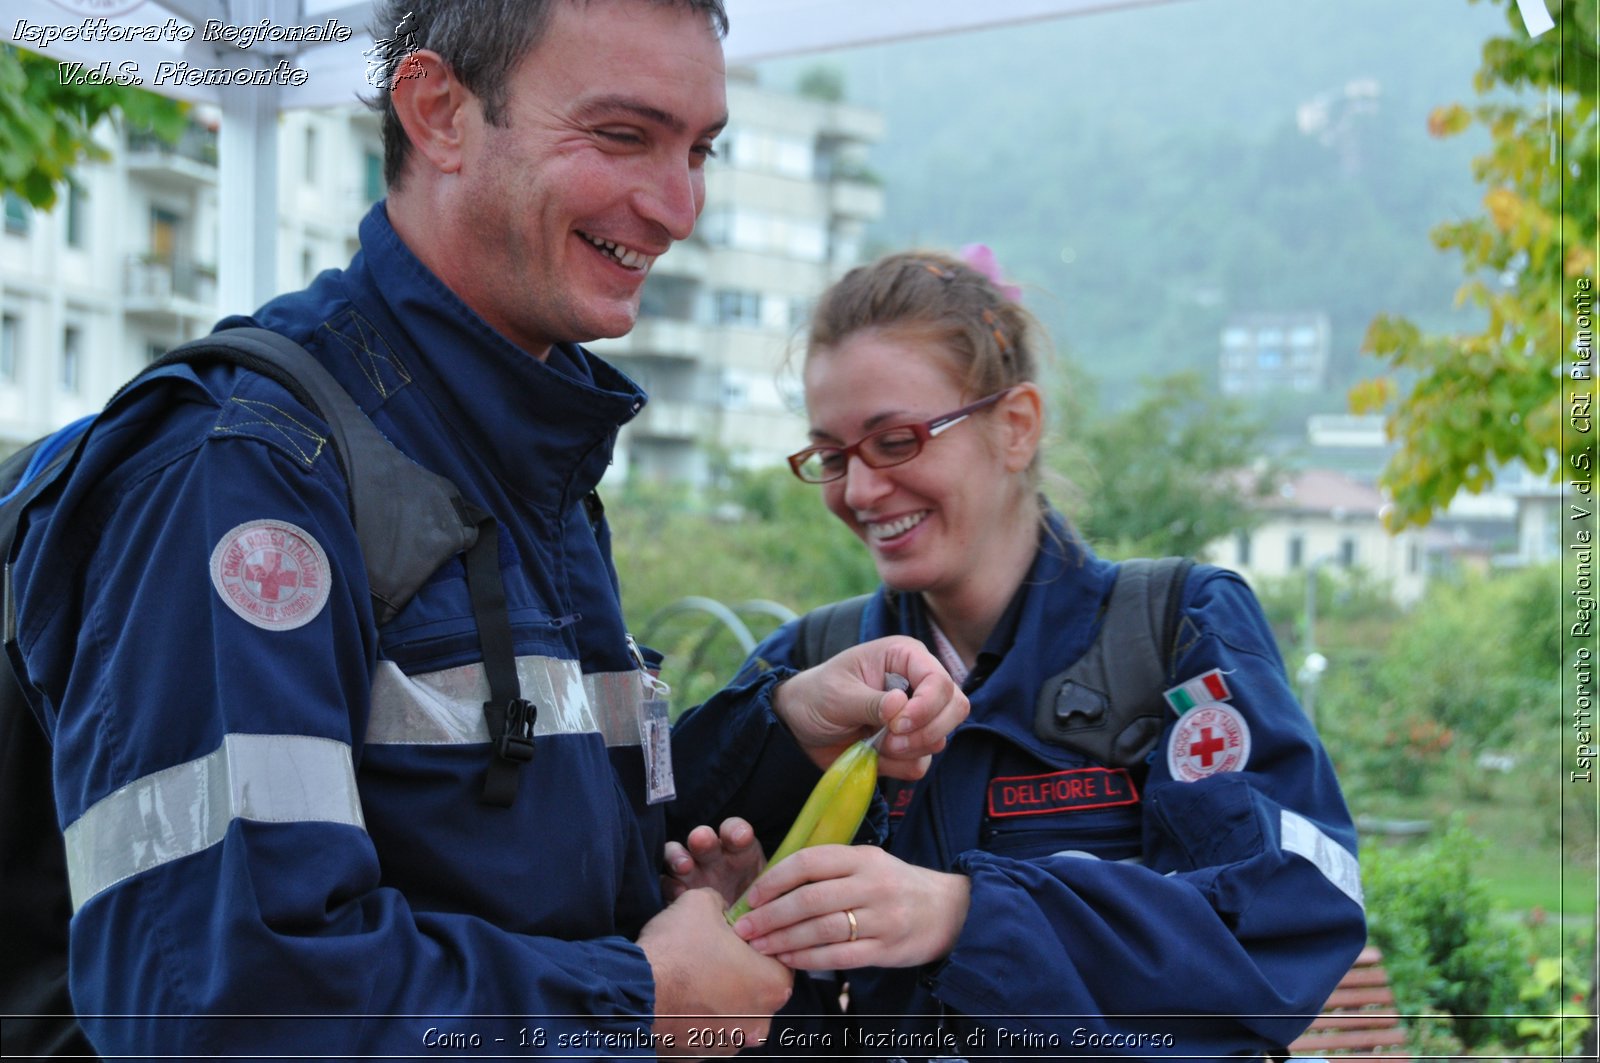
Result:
<point x="1325" y="518"/>
<point x="126" y="266"/>
<point x="1274" y="352"/>
<point x="1335" y="118"/>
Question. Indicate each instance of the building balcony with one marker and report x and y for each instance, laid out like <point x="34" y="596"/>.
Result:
<point x="686" y="258"/>
<point x="665" y="419"/>
<point x="858" y="200"/>
<point x="164" y="290"/>
<point x="189" y="163"/>
<point x="854" y="123"/>
<point x="657" y="337"/>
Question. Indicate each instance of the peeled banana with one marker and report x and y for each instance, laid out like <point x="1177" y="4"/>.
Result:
<point x="834" y="811"/>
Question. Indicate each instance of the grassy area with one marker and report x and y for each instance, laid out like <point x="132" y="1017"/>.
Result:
<point x="1526" y="863"/>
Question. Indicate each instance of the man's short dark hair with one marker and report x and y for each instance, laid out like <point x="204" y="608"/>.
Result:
<point x="480" y="40"/>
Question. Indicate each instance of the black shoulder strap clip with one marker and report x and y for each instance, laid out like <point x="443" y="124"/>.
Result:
<point x="1108" y="705"/>
<point x="510" y="716"/>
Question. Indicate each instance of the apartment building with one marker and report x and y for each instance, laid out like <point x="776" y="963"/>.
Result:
<point x="126" y="264"/>
<point x="1268" y="352"/>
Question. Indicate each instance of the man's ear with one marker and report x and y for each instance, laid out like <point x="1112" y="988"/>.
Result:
<point x="434" y="108"/>
<point x="1022" y="414"/>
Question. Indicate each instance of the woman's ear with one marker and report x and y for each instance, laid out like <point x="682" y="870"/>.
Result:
<point x="1021" y="415"/>
<point x="434" y="107"/>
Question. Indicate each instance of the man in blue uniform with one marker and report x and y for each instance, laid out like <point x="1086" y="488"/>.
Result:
<point x="271" y="801"/>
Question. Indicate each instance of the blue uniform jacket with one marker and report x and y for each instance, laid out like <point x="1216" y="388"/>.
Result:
<point x="1202" y="904"/>
<point x="271" y="805"/>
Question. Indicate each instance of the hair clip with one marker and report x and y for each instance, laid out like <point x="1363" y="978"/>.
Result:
<point x="994" y="327"/>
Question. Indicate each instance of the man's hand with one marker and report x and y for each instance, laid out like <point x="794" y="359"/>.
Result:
<point x="844" y="699"/>
<point x="726" y="860"/>
<point x="704" y="971"/>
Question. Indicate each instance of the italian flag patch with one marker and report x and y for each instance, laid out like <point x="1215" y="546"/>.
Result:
<point x="1197" y="691"/>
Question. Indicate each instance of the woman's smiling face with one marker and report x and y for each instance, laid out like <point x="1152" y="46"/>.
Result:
<point x="927" y="522"/>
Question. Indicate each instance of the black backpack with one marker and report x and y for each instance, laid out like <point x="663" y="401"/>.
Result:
<point x="409" y="521"/>
<point x="1108" y="704"/>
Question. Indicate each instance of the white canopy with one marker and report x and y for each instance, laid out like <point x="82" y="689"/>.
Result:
<point x="313" y="53"/>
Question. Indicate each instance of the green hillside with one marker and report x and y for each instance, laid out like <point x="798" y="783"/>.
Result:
<point x="1144" y="174"/>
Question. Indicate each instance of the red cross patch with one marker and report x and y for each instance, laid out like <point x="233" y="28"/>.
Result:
<point x="1206" y="740"/>
<point x="272" y="573"/>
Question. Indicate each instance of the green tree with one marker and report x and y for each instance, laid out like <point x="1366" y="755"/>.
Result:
<point x="1165" y="477"/>
<point x="46" y="127"/>
<point x="1474" y="401"/>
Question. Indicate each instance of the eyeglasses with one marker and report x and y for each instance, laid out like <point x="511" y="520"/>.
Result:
<point x="882" y="449"/>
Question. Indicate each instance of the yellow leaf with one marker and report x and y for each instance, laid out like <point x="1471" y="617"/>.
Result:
<point x="1580" y="262"/>
<point x="1504" y="207"/>
<point x="1370" y="396"/>
<point x="1449" y="120"/>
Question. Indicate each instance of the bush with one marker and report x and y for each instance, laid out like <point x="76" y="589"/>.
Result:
<point x="1442" y="948"/>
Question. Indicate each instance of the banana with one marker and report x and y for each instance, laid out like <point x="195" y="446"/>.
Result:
<point x="834" y="811"/>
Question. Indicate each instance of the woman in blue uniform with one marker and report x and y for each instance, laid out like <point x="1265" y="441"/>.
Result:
<point x="1028" y="896"/>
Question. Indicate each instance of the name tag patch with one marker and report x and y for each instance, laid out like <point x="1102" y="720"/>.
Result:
<point x="1061" y="791"/>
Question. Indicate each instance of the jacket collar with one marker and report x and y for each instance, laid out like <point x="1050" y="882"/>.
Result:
<point x="1050" y="622"/>
<point x="547" y="428"/>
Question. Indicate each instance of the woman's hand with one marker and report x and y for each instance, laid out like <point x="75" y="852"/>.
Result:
<point x="850" y="696"/>
<point x="727" y="860"/>
<point x="903" y="915"/>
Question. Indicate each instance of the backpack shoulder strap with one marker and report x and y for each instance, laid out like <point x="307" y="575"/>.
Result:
<point x="1108" y="704"/>
<point x="830" y="629"/>
<point x="409" y="520"/>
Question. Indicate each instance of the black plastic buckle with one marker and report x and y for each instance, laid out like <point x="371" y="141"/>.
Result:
<point x="516" y="741"/>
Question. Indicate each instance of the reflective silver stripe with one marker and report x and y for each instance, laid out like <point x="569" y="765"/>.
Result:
<point x="446" y="707"/>
<point x="181" y="810"/>
<point x="1302" y="836"/>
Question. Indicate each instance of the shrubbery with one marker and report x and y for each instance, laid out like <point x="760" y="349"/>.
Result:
<point x="1465" y="976"/>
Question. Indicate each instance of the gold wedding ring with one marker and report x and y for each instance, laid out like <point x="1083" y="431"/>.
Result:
<point x="850" y="914"/>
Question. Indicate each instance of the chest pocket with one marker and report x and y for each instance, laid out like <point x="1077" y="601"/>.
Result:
<point x="1034" y="808"/>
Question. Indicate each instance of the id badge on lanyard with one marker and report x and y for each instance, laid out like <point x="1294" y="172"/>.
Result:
<point x="655" y="731"/>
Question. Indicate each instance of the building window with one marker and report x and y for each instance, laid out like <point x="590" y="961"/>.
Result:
<point x="10" y="344"/>
<point x="164" y="226"/>
<point x="1297" y="552"/>
<point x="770" y="152"/>
<point x="71" y="359"/>
<point x="311" y="155"/>
<point x="1241" y="547"/>
<point x="800" y="308"/>
<point x="372" y="170"/>
<point x="1347" y="552"/>
<point x="77" y="214"/>
<point x="737" y="308"/>
<point x="153" y="351"/>
<point x="17" y="214"/>
<point x="1413" y="557"/>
